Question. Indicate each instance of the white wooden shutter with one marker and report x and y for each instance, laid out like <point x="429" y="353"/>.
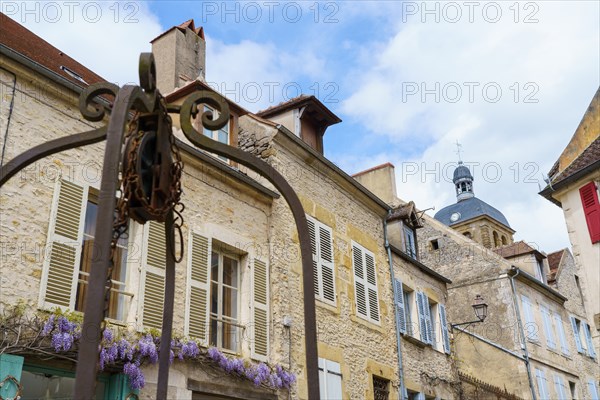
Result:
<point x="421" y="396"/>
<point x="561" y="334"/>
<point x="530" y="326"/>
<point x="373" y="297"/>
<point x="400" y="310"/>
<point x="576" y="334"/>
<point x="593" y="390"/>
<point x="63" y="251"/>
<point x="326" y="263"/>
<point x="260" y="310"/>
<point x="422" y="317"/>
<point x="315" y="256"/>
<point x="541" y="382"/>
<point x="359" y="281"/>
<point x="548" y="327"/>
<point x="152" y="289"/>
<point x="444" y="324"/>
<point x="588" y="339"/>
<point x="197" y="311"/>
<point x="559" y="387"/>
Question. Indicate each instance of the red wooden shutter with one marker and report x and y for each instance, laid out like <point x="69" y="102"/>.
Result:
<point x="591" y="209"/>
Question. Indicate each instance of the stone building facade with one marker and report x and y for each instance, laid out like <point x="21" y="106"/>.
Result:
<point x="574" y="186"/>
<point x="239" y="284"/>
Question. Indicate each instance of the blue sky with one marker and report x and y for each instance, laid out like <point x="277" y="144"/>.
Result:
<point x="509" y="80"/>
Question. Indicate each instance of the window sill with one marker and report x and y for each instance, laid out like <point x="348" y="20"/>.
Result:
<point x="367" y="323"/>
<point x="534" y="341"/>
<point x="415" y="340"/>
<point x="327" y="305"/>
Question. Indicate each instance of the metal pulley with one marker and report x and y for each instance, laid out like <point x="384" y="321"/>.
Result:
<point x="151" y="178"/>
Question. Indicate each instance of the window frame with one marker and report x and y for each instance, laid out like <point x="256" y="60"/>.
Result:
<point x="92" y="198"/>
<point x="325" y="367"/>
<point x="410" y="247"/>
<point x="221" y="319"/>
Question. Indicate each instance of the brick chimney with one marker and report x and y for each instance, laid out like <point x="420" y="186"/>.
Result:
<point x="180" y="56"/>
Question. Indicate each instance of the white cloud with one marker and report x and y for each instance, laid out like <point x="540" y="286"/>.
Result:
<point x="554" y="61"/>
<point x="106" y="37"/>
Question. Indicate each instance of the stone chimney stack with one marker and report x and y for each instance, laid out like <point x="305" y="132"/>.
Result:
<point x="180" y="56"/>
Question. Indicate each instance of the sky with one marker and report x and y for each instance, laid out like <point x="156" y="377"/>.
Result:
<point x="508" y="80"/>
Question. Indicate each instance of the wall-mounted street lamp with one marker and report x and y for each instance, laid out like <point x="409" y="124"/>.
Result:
<point x="480" y="307"/>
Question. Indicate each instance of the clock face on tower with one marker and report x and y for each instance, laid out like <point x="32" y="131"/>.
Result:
<point x="454" y="217"/>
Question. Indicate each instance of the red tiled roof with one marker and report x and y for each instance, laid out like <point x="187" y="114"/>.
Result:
<point x="515" y="249"/>
<point x="587" y="157"/>
<point x="310" y="101"/>
<point x="23" y="41"/>
<point x="189" y="24"/>
<point x="554" y="260"/>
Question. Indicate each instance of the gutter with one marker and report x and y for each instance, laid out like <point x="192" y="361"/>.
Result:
<point x="548" y="190"/>
<point x="402" y="395"/>
<point x="525" y="277"/>
<point x="419" y="264"/>
<point x="10" y="111"/>
<point x="512" y="274"/>
<point x="219" y="165"/>
<point x="40" y="69"/>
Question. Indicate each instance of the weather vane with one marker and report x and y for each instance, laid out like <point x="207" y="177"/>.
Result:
<point x="458" y="151"/>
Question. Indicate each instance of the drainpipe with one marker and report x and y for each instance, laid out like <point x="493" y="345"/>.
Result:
<point x="512" y="273"/>
<point x="402" y="389"/>
<point x="10" y="110"/>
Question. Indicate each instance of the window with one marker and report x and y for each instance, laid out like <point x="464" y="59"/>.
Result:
<point x="591" y="209"/>
<point x="542" y="384"/>
<point x="404" y="301"/>
<point x="539" y="270"/>
<point x="561" y="334"/>
<point x="573" y="390"/>
<point x="43" y="383"/>
<point x="381" y="388"/>
<point x="593" y="389"/>
<point x="365" y="283"/>
<point x="221" y="135"/>
<point x="496" y="239"/>
<point x="583" y="337"/>
<point x="412" y="395"/>
<point x="504" y="241"/>
<point x="410" y="243"/>
<point x="530" y="328"/>
<point x="467" y="234"/>
<point x="214" y="296"/>
<point x="560" y="388"/>
<point x="224" y="295"/>
<point x="70" y="243"/>
<point x="117" y="301"/>
<point x="435" y="244"/>
<point x="321" y="240"/>
<point x="548" y="330"/>
<point x="330" y="380"/>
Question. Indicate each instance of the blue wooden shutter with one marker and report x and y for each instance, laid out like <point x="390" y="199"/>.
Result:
<point x="576" y="334"/>
<point x="588" y="339"/>
<point x="592" y="389"/>
<point x="550" y="342"/>
<point x="400" y="310"/>
<point x="423" y="326"/>
<point x="444" y="324"/>
<point x="531" y="327"/>
<point x="542" y="387"/>
<point x="561" y="334"/>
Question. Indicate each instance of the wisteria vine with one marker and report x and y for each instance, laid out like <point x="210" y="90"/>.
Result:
<point x="133" y="352"/>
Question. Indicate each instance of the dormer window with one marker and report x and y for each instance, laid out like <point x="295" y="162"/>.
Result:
<point x="222" y="135"/>
<point x="410" y="242"/>
<point x="539" y="271"/>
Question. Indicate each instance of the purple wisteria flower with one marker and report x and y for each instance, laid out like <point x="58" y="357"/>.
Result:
<point x="48" y="326"/>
